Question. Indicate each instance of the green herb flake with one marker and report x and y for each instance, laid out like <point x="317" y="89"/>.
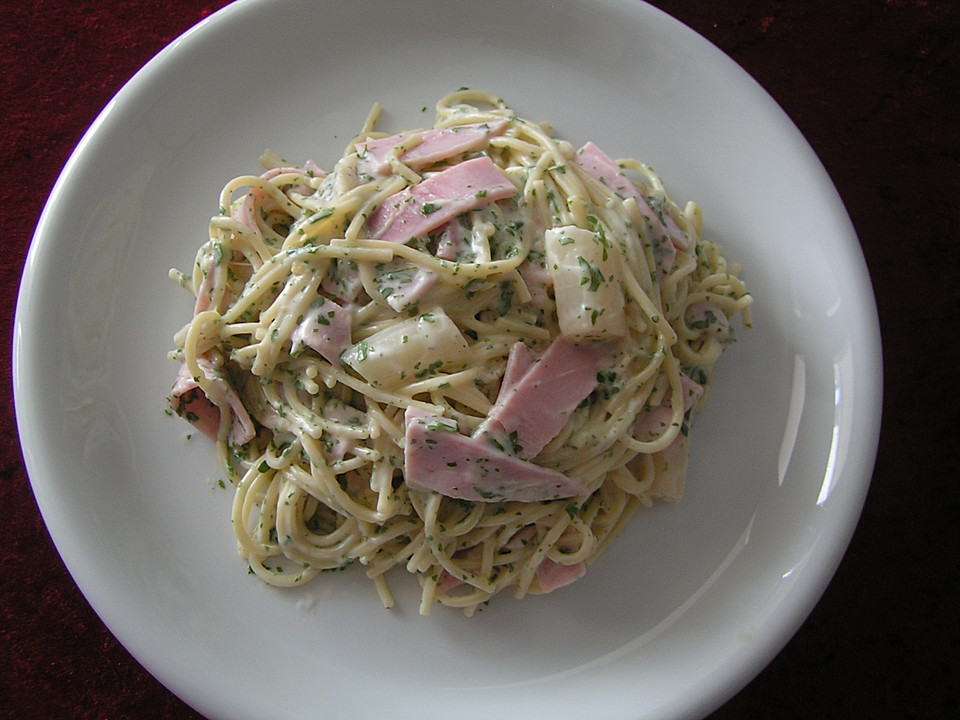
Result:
<point x="592" y="274"/>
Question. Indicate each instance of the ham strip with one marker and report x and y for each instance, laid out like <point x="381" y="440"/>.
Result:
<point x="213" y="262"/>
<point x="401" y="283"/>
<point x="710" y="318"/>
<point x="325" y="328"/>
<point x="452" y="243"/>
<point x="552" y="575"/>
<point x="435" y="144"/>
<point x="337" y="445"/>
<point x="438" y="199"/>
<point x="538" y="394"/>
<point x="664" y="231"/>
<point x="342" y="281"/>
<point x="438" y="457"/>
<point x="519" y="362"/>
<point x="188" y="400"/>
<point x="246" y="212"/>
<point x="670" y="464"/>
<point x="654" y="421"/>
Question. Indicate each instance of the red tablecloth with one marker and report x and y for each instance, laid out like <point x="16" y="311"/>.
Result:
<point x="873" y="84"/>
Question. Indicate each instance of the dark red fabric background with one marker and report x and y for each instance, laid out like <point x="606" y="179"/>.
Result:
<point x="875" y="87"/>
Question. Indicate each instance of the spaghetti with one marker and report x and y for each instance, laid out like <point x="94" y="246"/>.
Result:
<point x="470" y="351"/>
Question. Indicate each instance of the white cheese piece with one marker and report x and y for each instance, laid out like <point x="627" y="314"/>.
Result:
<point x="410" y="350"/>
<point x="589" y="297"/>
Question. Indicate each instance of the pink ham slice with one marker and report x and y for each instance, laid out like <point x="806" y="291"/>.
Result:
<point x="435" y="144"/>
<point x="402" y="283"/>
<point x="412" y="292"/>
<point x="337" y="446"/>
<point x="415" y="211"/>
<point x="599" y="165"/>
<point x="447" y="582"/>
<point x="342" y="281"/>
<point x="210" y="267"/>
<point x="538" y="394"/>
<point x="670" y="464"/>
<point x="654" y="421"/>
<point x="451" y="242"/>
<point x="439" y="458"/>
<point x="246" y="212"/>
<point x="519" y="362"/>
<point x="710" y="318"/>
<point x="188" y="401"/>
<point x="521" y="538"/>
<point x="552" y="575"/>
<point x="325" y="328"/>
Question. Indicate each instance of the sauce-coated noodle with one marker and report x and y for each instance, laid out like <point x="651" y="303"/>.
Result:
<point x="342" y="317"/>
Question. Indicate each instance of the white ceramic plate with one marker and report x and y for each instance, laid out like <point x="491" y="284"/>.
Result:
<point x="693" y="599"/>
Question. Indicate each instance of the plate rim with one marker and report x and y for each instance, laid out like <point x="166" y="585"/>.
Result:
<point x="871" y="379"/>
